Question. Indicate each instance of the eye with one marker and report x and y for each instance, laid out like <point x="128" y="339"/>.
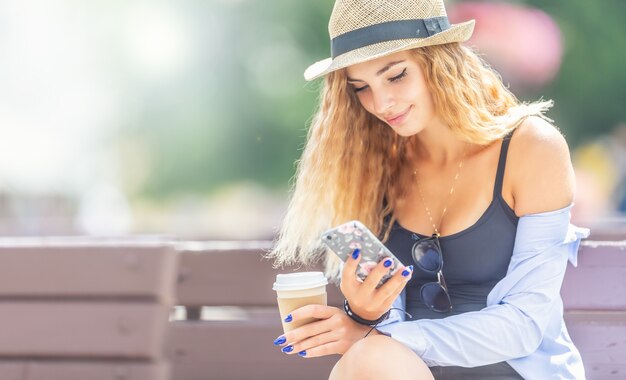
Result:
<point x="392" y="79"/>
<point x="357" y="89"/>
<point x="399" y="76"/>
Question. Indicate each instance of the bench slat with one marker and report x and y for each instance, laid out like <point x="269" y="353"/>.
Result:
<point x="605" y="371"/>
<point x="599" y="279"/>
<point x="210" y="278"/>
<point x="88" y="269"/>
<point x="200" y="347"/>
<point x="82" y="329"/>
<point x="45" y="370"/>
<point x="600" y="336"/>
<point x="216" y="350"/>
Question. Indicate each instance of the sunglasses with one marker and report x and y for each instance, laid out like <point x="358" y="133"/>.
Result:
<point x="428" y="257"/>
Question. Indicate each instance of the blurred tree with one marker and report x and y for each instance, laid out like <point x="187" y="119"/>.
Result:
<point x="590" y="90"/>
<point x="241" y="110"/>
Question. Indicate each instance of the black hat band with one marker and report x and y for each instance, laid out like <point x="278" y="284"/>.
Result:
<point x="387" y="31"/>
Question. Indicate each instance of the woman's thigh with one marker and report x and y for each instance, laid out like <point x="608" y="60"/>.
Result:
<point x="380" y="357"/>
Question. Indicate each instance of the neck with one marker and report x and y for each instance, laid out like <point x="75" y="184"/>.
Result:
<point x="437" y="145"/>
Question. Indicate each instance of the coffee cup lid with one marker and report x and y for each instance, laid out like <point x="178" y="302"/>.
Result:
<point x="299" y="280"/>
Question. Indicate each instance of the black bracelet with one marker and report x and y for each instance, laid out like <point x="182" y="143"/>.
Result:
<point x="363" y="321"/>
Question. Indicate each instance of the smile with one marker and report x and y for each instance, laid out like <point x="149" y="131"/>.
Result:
<point x="399" y="119"/>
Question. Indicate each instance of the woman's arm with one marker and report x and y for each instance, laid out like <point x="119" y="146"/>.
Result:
<point x="539" y="168"/>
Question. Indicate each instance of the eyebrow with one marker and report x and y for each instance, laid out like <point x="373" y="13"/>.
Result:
<point x="379" y="72"/>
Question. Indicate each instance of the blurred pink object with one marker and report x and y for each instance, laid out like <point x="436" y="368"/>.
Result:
<point x="524" y="44"/>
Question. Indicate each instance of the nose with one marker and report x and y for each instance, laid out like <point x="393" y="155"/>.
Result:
<point x="383" y="101"/>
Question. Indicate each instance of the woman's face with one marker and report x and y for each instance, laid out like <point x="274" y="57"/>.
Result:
<point x="393" y="89"/>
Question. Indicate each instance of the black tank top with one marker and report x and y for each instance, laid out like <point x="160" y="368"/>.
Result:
<point x="474" y="259"/>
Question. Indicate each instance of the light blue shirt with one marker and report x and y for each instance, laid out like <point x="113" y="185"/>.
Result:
<point x="522" y="323"/>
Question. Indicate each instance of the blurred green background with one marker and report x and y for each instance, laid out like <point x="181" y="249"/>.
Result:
<point x="186" y="117"/>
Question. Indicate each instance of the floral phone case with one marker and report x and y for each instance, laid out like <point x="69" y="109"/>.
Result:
<point x="345" y="238"/>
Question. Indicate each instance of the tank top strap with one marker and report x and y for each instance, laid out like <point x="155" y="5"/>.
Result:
<point x="497" y="188"/>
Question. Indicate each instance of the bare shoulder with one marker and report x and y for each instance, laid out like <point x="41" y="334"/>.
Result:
<point x="541" y="172"/>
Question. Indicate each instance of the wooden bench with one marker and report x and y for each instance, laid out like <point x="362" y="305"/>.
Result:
<point x="98" y="309"/>
<point x="232" y="317"/>
<point x="85" y="308"/>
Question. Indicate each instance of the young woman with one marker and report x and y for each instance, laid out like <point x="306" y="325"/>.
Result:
<point x="418" y="138"/>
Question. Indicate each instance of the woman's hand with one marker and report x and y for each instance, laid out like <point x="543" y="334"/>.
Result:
<point x="365" y="300"/>
<point x="334" y="333"/>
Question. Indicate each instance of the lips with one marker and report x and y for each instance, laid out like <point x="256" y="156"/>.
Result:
<point x="398" y="118"/>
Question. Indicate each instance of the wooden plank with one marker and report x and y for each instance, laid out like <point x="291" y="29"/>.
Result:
<point x="605" y="371"/>
<point x="199" y="348"/>
<point x="11" y="370"/>
<point x="238" y="349"/>
<point x="582" y="287"/>
<point x="601" y="340"/>
<point x="82" y="329"/>
<point x="599" y="281"/>
<point x="237" y="276"/>
<point x="77" y="268"/>
<point x="613" y="229"/>
<point x="71" y="370"/>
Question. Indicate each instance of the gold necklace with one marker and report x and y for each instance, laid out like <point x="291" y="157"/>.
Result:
<point x="445" y="208"/>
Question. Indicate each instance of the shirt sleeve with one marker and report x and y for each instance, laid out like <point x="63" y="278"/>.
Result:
<point x="397" y="313"/>
<point x="519" y="307"/>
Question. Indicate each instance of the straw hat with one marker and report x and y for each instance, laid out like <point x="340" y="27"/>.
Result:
<point x="362" y="30"/>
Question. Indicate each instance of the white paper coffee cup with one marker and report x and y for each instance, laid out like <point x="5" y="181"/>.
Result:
<point x="294" y="290"/>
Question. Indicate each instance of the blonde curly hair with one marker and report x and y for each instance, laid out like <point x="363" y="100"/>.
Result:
<point x="351" y="166"/>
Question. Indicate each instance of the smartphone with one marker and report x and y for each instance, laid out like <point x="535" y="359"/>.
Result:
<point x="345" y="238"/>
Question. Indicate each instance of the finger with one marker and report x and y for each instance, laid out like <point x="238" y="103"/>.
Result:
<point x="394" y="286"/>
<point x="313" y="311"/>
<point x="323" y="350"/>
<point x="312" y="342"/>
<point x="303" y="332"/>
<point x="349" y="281"/>
<point x="381" y="269"/>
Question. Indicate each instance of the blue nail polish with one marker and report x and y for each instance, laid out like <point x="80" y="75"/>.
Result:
<point x="355" y="254"/>
<point x="406" y="272"/>
<point x="287" y="349"/>
<point x="302" y="353"/>
<point x="388" y="263"/>
<point x="289" y="318"/>
<point x="280" y="340"/>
